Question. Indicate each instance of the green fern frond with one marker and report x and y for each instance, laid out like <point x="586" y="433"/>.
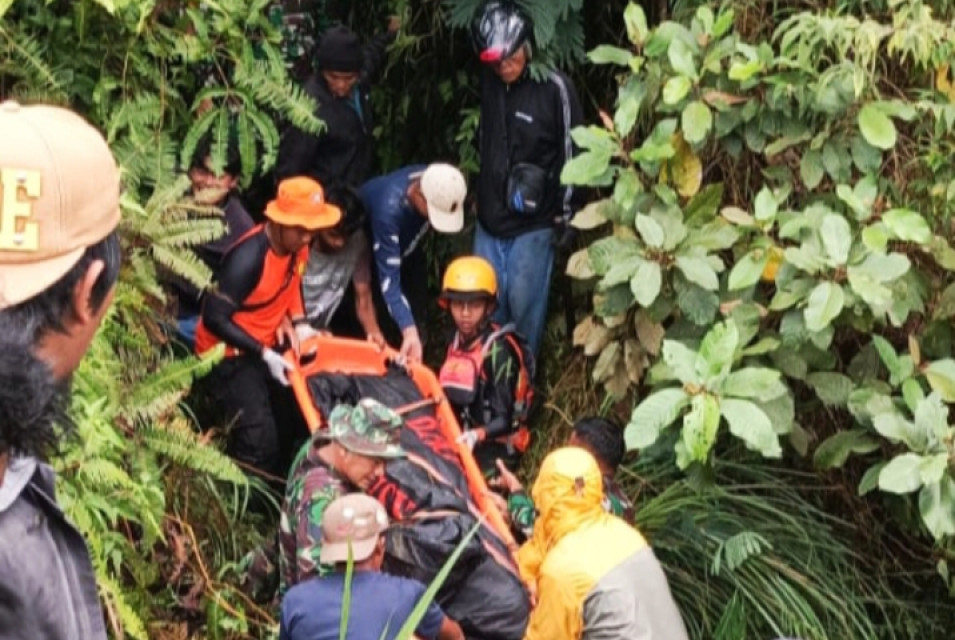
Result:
<point x="105" y="475"/>
<point x="183" y="263"/>
<point x="181" y="445"/>
<point x="113" y="595"/>
<point x="279" y="93"/>
<point x="191" y="233"/>
<point x="736" y="550"/>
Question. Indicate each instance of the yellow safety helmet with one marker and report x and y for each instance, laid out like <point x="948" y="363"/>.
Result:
<point x="467" y="278"/>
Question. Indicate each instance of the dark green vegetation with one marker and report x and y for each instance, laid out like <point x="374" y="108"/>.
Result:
<point x="727" y="130"/>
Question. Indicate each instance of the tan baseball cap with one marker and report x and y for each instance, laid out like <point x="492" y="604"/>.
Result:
<point x="444" y="188"/>
<point x="354" y="520"/>
<point x="59" y="194"/>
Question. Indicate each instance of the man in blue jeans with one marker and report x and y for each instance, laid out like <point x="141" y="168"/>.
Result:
<point x="524" y="142"/>
<point x="352" y="528"/>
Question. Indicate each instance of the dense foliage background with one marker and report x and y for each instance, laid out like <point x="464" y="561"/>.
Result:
<point x="763" y="287"/>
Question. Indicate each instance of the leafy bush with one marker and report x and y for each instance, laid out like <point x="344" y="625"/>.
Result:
<point x="775" y="200"/>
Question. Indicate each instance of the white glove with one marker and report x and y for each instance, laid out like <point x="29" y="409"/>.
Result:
<point x="471" y="437"/>
<point x="278" y="366"/>
<point x="304" y="331"/>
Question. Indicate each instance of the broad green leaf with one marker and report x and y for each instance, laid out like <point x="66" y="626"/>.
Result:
<point x="681" y="58"/>
<point x="606" y="252"/>
<point x="907" y="225"/>
<point x="895" y="428"/>
<point x="876" y="237"/>
<point x="698" y="270"/>
<point x="701" y="426"/>
<point x="882" y="268"/>
<point x="699" y="305"/>
<point x="717" y="350"/>
<point x="902" y="474"/>
<point x="870" y="479"/>
<point x="704" y="205"/>
<point x="696" y="121"/>
<point x="587" y="168"/>
<point x="676" y="89"/>
<point x="832" y="388"/>
<point x="931" y="416"/>
<point x="836" y="238"/>
<point x="753" y="382"/>
<point x="724" y="22"/>
<point x="622" y="272"/>
<point x="810" y="168"/>
<point x="833" y="452"/>
<point x="945" y="307"/>
<point x="5" y="6"/>
<point x="937" y="507"/>
<point x="941" y="377"/>
<point x="646" y="283"/>
<point x="686" y="169"/>
<point x="766" y="205"/>
<point x="607" y="54"/>
<point x="743" y="71"/>
<point x="913" y="395"/>
<point x="630" y="98"/>
<point x="933" y="467"/>
<point x="636" y="21"/>
<point x="655" y="413"/>
<point x="650" y="230"/>
<point x="594" y="138"/>
<point x="682" y="361"/>
<point x="866" y="157"/>
<point x="781" y="412"/>
<point x="748" y="270"/>
<point x="748" y="423"/>
<point x="824" y="305"/>
<point x="738" y="216"/>
<point x="715" y="235"/>
<point x="876" y="127"/>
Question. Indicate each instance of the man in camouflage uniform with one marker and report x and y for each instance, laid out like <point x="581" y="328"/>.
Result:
<point x="300" y="22"/>
<point x="604" y="440"/>
<point x="348" y="455"/>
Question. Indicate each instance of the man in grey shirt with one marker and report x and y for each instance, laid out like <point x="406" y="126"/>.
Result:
<point x="59" y="261"/>
<point x="339" y="256"/>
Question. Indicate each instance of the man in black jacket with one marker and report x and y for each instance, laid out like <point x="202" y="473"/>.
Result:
<point x="524" y="143"/>
<point x="59" y="262"/>
<point x="343" y="153"/>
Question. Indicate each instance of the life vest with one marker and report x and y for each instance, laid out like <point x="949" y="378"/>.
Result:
<point x="462" y="378"/>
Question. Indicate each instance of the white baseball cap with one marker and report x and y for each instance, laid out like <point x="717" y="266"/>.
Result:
<point x="444" y="188"/>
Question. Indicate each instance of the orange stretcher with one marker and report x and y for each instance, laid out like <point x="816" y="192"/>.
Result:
<point x="357" y="357"/>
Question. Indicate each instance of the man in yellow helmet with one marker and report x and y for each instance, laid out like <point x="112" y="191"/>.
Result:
<point x="488" y="369"/>
<point x="594" y="575"/>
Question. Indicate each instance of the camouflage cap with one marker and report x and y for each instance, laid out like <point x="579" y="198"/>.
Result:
<point x="369" y="429"/>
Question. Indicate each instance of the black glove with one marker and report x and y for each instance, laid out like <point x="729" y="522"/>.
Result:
<point x="564" y="234"/>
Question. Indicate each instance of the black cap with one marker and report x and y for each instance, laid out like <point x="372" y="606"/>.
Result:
<point x="340" y="50"/>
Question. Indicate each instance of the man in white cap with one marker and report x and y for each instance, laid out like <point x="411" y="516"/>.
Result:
<point x="59" y="262"/>
<point x="352" y="529"/>
<point x="402" y="206"/>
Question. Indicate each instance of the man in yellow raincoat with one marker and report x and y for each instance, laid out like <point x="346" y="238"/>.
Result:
<point x="594" y="576"/>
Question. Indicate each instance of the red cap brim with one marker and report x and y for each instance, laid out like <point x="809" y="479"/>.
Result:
<point x="490" y="56"/>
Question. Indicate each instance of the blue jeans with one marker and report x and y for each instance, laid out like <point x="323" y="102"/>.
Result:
<point x="523" y="265"/>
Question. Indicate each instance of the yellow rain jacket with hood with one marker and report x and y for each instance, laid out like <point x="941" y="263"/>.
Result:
<point x="595" y="576"/>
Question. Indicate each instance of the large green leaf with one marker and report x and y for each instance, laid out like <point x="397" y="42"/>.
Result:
<point x="825" y="304"/>
<point x="607" y="54"/>
<point x="622" y="271"/>
<point x="902" y="474"/>
<point x="876" y="127"/>
<point x="941" y="377"/>
<point x="937" y="506"/>
<point x="836" y="449"/>
<point x="896" y="428"/>
<point x="701" y="426"/>
<point x="836" y="238"/>
<point x="636" y="21"/>
<point x="646" y="283"/>
<point x="676" y="89"/>
<point x="931" y="414"/>
<point x="682" y="361"/>
<point x="717" y="350"/>
<point x="698" y="270"/>
<point x="696" y="121"/>
<point x="607" y="252"/>
<point x="907" y="225"/>
<point x="810" y="168"/>
<point x="933" y="467"/>
<point x="753" y="382"/>
<point x="587" y="168"/>
<point x="591" y="216"/>
<point x="748" y="270"/>
<point x="681" y="58"/>
<point x="656" y="412"/>
<point x="748" y="423"/>
<point x="650" y="230"/>
<point x="832" y="388"/>
<point x="766" y="205"/>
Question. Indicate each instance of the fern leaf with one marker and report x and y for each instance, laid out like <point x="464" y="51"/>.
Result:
<point x="190" y="233"/>
<point x="180" y="444"/>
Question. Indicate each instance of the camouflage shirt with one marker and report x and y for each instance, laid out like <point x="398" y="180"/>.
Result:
<point x="299" y="22"/>
<point x="312" y="485"/>
<point x="523" y="512"/>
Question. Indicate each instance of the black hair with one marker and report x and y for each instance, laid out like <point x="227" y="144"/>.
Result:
<point x="604" y="439"/>
<point x="233" y="160"/>
<point x="349" y="201"/>
<point x="33" y="405"/>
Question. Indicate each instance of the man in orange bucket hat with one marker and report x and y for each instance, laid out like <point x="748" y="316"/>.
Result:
<point x="256" y="306"/>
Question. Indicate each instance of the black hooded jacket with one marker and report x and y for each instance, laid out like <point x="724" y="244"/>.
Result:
<point x="343" y="153"/>
<point x="528" y="121"/>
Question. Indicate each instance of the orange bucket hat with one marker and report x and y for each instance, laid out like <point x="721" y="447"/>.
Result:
<point x="300" y="202"/>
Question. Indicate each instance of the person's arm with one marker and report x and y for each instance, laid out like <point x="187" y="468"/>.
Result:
<point x="387" y="251"/>
<point x="450" y="630"/>
<point x="376" y="49"/>
<point x="240" y="272"/>
<point x="435" y="624"/>
<point x="501" y="372"/>
<point x="364" y="303"/>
